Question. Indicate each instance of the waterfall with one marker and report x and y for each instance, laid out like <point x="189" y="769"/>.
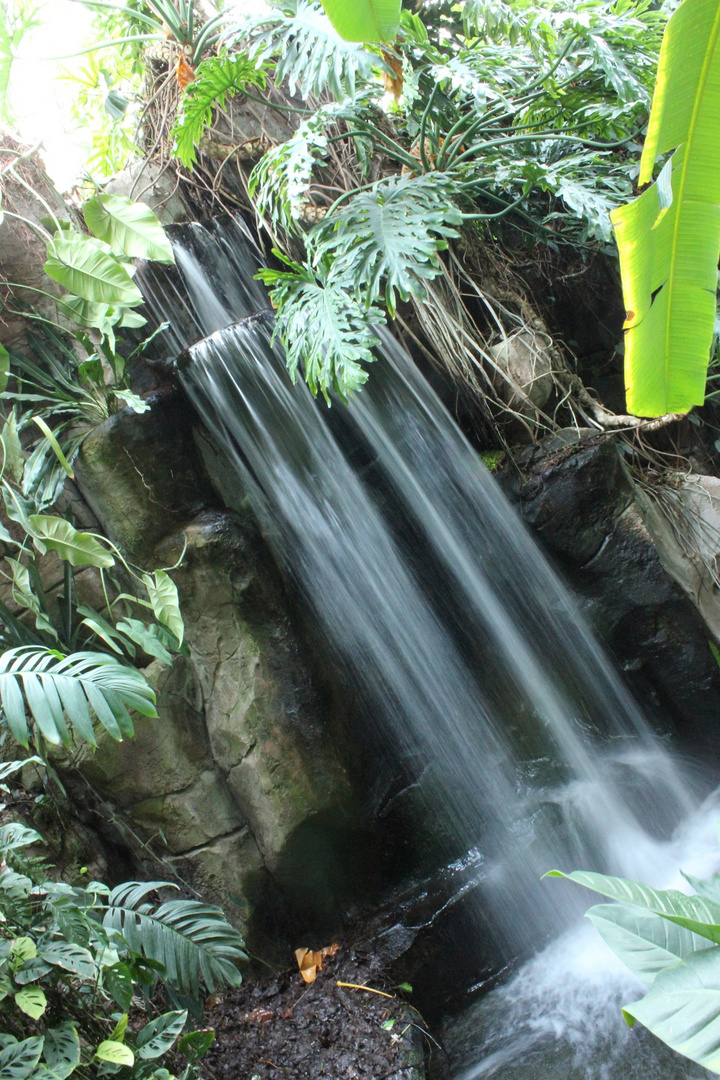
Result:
<point x="464" y="646"/>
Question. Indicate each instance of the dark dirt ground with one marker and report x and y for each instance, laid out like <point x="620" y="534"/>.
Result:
<point x="280" y="1028"/>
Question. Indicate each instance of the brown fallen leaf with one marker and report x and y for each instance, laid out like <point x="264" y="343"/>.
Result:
<point x="259" y="1016"/>
<point x="393" y="79"/>
<point x="310" y="961"/>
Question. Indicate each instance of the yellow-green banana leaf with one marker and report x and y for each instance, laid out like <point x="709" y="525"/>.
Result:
<point x="669" y="238"/>
<point x="374" y="21"/>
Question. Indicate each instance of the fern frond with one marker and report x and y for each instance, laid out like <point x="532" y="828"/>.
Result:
<point x="389" y="234"/>
<point x="326" y="332"/>
<point x="59" y="690"/>
<point x="309" y="53"/>
<point x="193" y="941"/>
<point x="216" y="79"/>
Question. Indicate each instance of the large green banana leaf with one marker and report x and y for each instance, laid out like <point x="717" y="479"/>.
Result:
<point x="669" y="238"/>
<point x="364" y="20"/>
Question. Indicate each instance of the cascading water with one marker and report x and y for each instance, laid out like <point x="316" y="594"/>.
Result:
<point x="465" y="646"/>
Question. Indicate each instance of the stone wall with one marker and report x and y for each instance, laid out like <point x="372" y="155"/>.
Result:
<point x="623" y="561"/>
<point x="239" y="758"/>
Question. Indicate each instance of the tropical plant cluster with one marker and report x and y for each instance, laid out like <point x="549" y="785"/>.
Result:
<point x="66" y="666"/>
<point x="87" y="972"/>
<point x="469" y="123"/>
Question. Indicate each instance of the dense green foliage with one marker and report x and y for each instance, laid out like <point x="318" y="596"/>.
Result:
<point x="75" y="961"/>
<point x="519" y="111"/>
<point x="54" y="673"/>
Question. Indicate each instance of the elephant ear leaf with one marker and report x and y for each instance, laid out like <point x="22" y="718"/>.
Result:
<point x="682" y="1008"/>
<point x="77" y="548"/>
<point x="669" y="238"/>
<point x="128" y="227"/>
<point x="86" y="267"/>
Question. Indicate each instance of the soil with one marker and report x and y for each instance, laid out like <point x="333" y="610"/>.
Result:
<point x="280" y="1028"/>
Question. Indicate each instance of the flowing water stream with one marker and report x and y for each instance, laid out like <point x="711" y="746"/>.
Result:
<point x="468" y="653"/>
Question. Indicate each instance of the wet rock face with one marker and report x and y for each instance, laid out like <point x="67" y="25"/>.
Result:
<point x="139" y="473"/>
<point x="238" y="759"/>
<point x="582" y="503"/>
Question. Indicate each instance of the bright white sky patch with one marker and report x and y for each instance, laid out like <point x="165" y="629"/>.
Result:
<point x="41" y="100"/>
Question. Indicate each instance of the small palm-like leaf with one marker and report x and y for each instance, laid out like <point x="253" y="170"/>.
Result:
<point x="191" y="940"/>
<point x="57" y="689"/>
<point x="385" y="241"/>
<point x="216" y="79"/>
<point x="310" y="55"/>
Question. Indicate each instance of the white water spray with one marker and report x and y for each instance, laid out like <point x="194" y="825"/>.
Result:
<point x="467" y="650"/>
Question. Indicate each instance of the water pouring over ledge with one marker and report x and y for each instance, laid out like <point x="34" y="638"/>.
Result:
<point x="464" y="645"/>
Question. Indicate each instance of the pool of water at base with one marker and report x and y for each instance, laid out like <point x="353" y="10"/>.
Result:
<point x="558" y="1016"/>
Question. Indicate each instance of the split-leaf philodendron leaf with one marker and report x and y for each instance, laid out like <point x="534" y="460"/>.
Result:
<point x="669" y="238"/>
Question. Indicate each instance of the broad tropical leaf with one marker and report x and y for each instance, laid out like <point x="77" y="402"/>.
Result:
<point x="130" y="228"/>
<point x="77" y="548"/>
<point x="62" y="1048"/>
<point x="14" y="836"/>
<point x="691" y="912"/>
<point x="24" y="596"/>
<point x="646" y="943"/>
<point x="86" y="267"/>
<point x="384" y="242"/>
<point x="158" y="1036"/>
<point x="57" y="689"/>
<point x="364" y="20"/>
<point x="326" y="332"/>
<point x="682" y="1007"/>
<point x="70" y="958"/>
<point x="114" y="1052"/>
<point x="191" y="940"/>
<point x="217" y="78"/>
<point x="196" y="1044"/>
<point x="18" y="1060"/>
<point x="309" y="53"/>
<point x="143" y="635"/>
<point x="669" y="238"/>
<point x="163" y="594"/>
<point x="32" y="1001"/>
